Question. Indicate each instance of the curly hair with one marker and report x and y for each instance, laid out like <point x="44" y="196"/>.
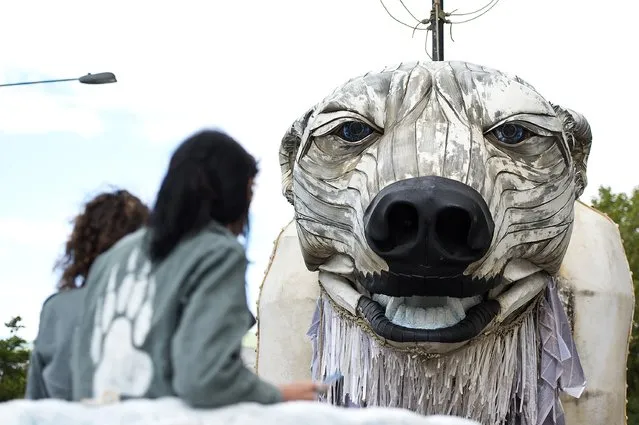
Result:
<point x="106" y="219"/>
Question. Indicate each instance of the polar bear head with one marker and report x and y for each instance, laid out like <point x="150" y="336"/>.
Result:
<point x="428" y="190"/>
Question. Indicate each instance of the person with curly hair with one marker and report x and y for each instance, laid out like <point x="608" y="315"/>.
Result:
<point x="166" y="308"/>
<point x="106" y="219"/>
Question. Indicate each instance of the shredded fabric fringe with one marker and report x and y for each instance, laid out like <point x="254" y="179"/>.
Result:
<point x="493" y="380"/>
<point x="560" y="368"/>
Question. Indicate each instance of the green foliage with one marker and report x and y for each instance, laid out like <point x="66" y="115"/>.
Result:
<point x="624" y="210"/>
<point x="14" y="362"/>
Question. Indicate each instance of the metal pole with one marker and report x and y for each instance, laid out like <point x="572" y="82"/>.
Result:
<point x="437" y="24"/>
<point x="38" y="82"/>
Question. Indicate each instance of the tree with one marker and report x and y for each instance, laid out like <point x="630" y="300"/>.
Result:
<point x="624" y="210"/>
<point x="14" y="362"/>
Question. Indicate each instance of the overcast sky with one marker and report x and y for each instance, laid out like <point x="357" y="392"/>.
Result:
<point x="250" y="68"/>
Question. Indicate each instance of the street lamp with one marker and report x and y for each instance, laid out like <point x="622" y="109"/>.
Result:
<point x="99" y="78"/>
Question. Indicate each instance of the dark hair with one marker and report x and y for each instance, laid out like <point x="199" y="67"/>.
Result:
<point x="106" y="219"/>
<point x="207" y="180"/>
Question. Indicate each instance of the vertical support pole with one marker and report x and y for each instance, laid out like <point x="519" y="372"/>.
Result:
<point x="437" y="24"/>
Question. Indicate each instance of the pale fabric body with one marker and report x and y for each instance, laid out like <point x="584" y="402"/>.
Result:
<point x="594" y="272"/>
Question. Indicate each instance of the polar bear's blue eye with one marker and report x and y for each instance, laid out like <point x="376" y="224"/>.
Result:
<point x="354" y="131"/>
<point x="511" y="134"/>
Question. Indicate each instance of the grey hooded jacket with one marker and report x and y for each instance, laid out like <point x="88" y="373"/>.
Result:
<point x="170" y="329"/>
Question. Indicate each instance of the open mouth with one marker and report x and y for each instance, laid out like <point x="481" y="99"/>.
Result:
<point x="428" y="319"/>
<point x="420" y="312"/>
<point x="439" y="319"/>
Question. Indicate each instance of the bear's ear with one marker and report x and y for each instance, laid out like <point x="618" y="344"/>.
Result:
<point x="288" y="152"/>
<point x="579" y="138"/>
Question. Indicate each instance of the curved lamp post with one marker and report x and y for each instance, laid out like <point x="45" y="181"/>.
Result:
<point x="99" y="78"/>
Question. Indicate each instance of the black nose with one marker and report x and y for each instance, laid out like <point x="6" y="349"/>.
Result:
<point x="429" y="221"/>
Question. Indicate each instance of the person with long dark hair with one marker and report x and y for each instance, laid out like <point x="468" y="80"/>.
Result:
<point x="166" y="308"/>
<point x="105" y="219"/>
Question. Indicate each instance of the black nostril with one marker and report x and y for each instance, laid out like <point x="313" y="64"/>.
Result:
<point x="452" y="229"/>
<point x="402" y="222"/>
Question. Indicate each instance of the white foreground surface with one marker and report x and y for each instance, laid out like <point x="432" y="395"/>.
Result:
<point x="170" y="411"/>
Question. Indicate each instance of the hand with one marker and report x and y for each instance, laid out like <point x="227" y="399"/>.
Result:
<point x="306" y="390"/>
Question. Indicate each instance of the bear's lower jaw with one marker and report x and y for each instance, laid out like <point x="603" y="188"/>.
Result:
<point x="431" y="326"/>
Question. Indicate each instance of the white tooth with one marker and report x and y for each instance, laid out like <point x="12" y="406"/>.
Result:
<point x="470" y="302"/>
<point x="392" y="306"/>
<point x="441" y="317"/>
<point x="456" y="320"/>
<point x="411" y="316"/>
<point x="383" y="300"/>
<point x="420" y="318"/>
<point x="456" y="308"/>
<point x="449" y="318"/>
<point x="400" y="316"/>
<point x="429" y="319"/>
